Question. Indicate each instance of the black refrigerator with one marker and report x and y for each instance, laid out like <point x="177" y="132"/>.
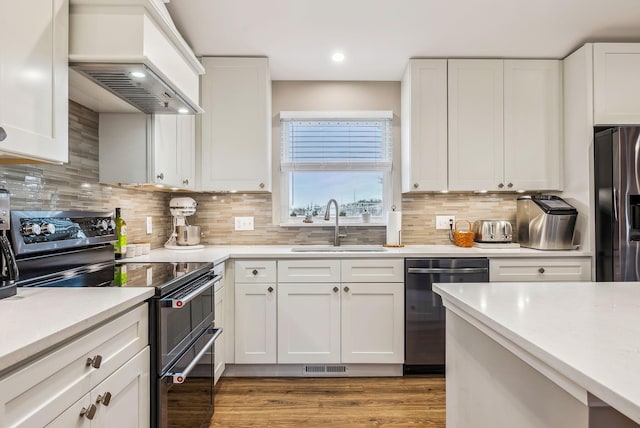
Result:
<point x="617" y="203"/>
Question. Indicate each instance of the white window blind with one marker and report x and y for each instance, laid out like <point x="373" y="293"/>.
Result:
<point x="336" y="144"/>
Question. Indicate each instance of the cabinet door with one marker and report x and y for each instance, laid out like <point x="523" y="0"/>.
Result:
<point x="424" y="126"/>
<point x="123" y="398"/>
<point x="309" y="323"/>
<point x="373" y="323"/>
<point x="75" y="416"/>
<point x="616" y="83"/>
<point x="33" y="79"/>
<point x="255" y="316"/>
<point x="236" y="125"/>
<point x="219" y="346"/>
<point x="187" y="151"/>
<point x="166" y="154"/>
<point x="475" y="125"/>
<point x="532" y="124"/>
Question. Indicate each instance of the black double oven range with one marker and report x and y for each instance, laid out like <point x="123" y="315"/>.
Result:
<point x="74" y="249"/>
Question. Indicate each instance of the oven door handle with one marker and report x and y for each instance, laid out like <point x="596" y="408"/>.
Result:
<point x="182" y="301"/>
<point x="182" y="376"/>
<point x="447" y="270"/>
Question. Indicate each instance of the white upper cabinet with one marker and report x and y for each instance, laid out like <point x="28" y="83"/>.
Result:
<point x="505" y="125"/>
<point x="33" y="80"/>
<point x="532" y="124"/>
<point x="136" y="148"/>
<point x="616" y="83"/>
<point x="424" y="126"/>
<point x="475" y="124"/>
<point x="235" y="146"/>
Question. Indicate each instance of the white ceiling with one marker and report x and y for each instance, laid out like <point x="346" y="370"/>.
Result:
<point x="379" y="36"/>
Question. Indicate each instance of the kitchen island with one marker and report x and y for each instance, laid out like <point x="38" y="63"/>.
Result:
<point x="542" y="354"/>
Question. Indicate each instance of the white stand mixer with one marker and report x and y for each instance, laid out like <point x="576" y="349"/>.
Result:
<point x="180" y="209"/>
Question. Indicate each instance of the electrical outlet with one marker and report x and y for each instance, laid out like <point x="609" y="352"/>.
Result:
<point x="443" y="221"/>
<point x="243" y="223"/>
<point x="149" y="225"/>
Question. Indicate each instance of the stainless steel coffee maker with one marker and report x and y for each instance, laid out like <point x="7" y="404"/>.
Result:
<point x="8" y="266"/>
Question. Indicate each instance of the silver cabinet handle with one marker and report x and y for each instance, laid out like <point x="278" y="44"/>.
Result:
<point x="95" y="361"/>
<point x="185" y="181"/>
<point x="500" y="186"/>
<point x="336" y="289"/>
<point x="510" y="185"/>
<point x="346" y="289"/>
<point x="3" y="134"/>
<point x="160" y="176"/>
<point x="541" y="270"/>
<point x="270" y="289"/>
<point x="254" y="272"/>
<point x="89" y="412"/>
<point x="415" y="185"/>
<point x="104" y="399"/>
<point x="261" y="185"/>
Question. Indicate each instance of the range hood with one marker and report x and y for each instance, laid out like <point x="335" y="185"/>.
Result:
<point x="130" y="50"/>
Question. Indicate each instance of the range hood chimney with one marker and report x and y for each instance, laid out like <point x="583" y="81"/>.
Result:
<point x="132" y="50"/>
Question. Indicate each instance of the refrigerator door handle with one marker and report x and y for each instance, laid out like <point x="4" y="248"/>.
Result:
<point x="615" y="204"/>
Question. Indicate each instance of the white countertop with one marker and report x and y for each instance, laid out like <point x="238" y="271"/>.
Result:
<point x="588" y="332"/>
<point x="36" y="319"/>
<point x="217" y="254"/>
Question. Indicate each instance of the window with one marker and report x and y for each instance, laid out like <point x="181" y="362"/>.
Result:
<point x="346" y="156"/>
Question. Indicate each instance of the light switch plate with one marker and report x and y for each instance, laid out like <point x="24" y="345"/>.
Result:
<point x="149" y="225"/>
<point x="443" y="221"/>
<point x="243" y="223"/>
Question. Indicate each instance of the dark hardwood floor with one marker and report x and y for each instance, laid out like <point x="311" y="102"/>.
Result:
<point x="330" y="402"/>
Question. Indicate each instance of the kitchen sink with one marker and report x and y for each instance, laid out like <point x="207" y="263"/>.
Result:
<point x="339" y="249"/>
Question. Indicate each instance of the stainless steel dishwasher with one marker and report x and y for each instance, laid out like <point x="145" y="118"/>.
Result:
<point x="424" y="313"/>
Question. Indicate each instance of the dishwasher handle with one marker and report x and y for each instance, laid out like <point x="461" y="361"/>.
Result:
<point x="456" y="271"/>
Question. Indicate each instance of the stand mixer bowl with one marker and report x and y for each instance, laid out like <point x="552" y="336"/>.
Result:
<point x="188" y="235"/>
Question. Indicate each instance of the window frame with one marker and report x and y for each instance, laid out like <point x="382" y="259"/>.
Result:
<point x="387" y="186"/>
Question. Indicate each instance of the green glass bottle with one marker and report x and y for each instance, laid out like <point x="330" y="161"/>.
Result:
<point x="120" y="246"/>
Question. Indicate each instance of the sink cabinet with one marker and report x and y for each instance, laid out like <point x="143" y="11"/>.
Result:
<point x="33" y="83"/>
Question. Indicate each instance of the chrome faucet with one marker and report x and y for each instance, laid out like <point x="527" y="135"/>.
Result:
<point x="327" y="216"/>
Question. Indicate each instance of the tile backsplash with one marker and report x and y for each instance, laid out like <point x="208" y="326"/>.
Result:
<point x="74" y="186"/>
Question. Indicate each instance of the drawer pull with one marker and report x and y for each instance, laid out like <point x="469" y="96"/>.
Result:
<point x="541" y="270"/>
<point x="270" y="289"/>
<point x="89" y="412"/>
<point x="346" y="289"/>
<point x="3" y="134"/>
<point x="105" y="399"/>
<point x="95" y="361"/>
<point x="254" y="272"/>
<point x="336" y="289"/>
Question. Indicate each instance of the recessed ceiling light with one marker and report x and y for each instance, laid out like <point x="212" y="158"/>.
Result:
<point x="138" y="74"/>
<point x="183" y="110"/>
<point x="338" y="57"/>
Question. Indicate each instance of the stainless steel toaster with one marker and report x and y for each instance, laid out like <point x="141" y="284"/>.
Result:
<point x="492" y="231"/>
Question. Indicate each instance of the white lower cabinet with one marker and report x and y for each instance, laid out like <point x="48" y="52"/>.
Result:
<point x="309" y="323"/>
<point x="540" y="269"/>
<point x="219" y="358"/>
<point x="122" y="400"/>
<point x="53" y="389"/>
<point x="373" y="322"/>
<point x="255" y="317"/>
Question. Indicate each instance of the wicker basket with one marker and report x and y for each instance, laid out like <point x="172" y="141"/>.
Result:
<point x="463" y="238"/>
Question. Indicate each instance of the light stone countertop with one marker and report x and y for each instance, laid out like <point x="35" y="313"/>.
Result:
<point x="588" y="332"/>
<point x="37" y="319"/>
<point x="217" y="254"/>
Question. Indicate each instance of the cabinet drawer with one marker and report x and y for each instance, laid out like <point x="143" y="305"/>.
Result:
<point x="49" y="385"/>
<point x="540" y="269"/>
<point x="249" y="271"/>
<point x="373" y="270"/>
<point x="309" y="271"/>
